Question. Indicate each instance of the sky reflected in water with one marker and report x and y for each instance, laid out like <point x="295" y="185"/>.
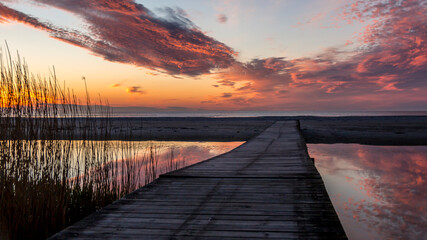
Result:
<point x="186" y="153"/>
<point x="173" y="155"/>
<point x="379" y="192"/>
<point x="142" y="161"/>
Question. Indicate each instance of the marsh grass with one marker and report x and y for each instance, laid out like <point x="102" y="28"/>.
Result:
<point x="174" y="162"/>
<point x="158" y="159"/>
<point x="47" y="184"/>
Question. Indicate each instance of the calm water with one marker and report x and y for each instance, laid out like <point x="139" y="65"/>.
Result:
<point x="379" y="192"/>
<point x="182" y="154"/>
<point x="167" y="155"/>
<point x="188" y="153"/>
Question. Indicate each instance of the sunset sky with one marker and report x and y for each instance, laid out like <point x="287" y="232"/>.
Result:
<point x="274" y="55"/>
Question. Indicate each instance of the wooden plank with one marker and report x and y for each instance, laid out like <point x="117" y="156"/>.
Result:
<point x="267" y="188"/>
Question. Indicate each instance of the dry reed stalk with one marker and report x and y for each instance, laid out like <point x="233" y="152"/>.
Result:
<point x="47" y="184"/>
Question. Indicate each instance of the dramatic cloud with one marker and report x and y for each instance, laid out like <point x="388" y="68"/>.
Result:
<point x="386" y="67"/>
<point x="222" y="18"/>
<point x="390" y="63"/>
<point x="127" y="32"/>
<point x="265" y="74"/>
<point x="7" y="13"/>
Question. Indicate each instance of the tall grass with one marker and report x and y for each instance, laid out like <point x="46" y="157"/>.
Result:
<point x="47" y="184"/>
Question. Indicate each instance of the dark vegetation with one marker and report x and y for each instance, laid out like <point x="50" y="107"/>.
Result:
<point x="47" y="184"/>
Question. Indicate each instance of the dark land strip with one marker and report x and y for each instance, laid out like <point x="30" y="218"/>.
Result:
<point x="386" y="130"/>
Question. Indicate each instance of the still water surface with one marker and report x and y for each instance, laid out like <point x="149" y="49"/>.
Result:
<point x="144" y="160"/>
<point x="182" y="154"/>
<point x="379" y="192"/>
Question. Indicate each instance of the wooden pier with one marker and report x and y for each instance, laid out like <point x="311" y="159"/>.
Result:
<point x="268" y="188"/>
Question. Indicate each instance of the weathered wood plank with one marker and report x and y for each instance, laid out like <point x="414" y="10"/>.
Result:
<point x="267" y="188"/>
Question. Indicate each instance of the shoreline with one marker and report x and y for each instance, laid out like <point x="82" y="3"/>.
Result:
<point x="370" y="130"/>
<point x="374" y="130"/>
<point x="392" y="131"/>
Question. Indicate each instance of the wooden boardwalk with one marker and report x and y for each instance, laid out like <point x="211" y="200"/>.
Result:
<point x="268" y="188"/>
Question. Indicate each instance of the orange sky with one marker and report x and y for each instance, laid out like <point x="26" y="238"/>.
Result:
<point x="229" y="55"/>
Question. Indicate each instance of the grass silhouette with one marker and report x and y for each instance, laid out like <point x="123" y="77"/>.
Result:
<point x="47" y="184"/>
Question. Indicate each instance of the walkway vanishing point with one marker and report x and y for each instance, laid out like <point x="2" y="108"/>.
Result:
<point x="268" y="188"/>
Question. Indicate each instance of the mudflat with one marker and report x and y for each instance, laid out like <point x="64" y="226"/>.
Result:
<point x="387" y="130"/>
<point x="378" y="130"/>
<point x="399" y="130"/>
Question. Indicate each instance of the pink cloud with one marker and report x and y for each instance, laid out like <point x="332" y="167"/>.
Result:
<point x="387" y="70"/>
<point x="7" y="14"/>
<point x="392" y="60"/>
<point x="127" y="32"/>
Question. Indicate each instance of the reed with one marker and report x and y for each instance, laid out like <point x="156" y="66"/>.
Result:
<point x="47" y="184"/>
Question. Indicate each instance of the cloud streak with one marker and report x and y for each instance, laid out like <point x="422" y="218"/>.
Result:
<point x="127" y="32"/>
<point x="7" y="14"/>
<point x="387" y="70"/>
<point x="391" y="62"/>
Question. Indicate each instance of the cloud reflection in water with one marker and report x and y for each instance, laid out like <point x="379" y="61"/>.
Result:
<point x="379" y="192"/>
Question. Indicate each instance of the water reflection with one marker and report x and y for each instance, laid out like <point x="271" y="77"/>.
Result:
<point x="379" y="192"/>
<point x="172" y="155"/>
<point x="139" y="162"/>
<point x="183" y="154"/>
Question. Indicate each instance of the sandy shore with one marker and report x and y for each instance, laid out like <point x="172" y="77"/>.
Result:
<point x="389" y="130"/>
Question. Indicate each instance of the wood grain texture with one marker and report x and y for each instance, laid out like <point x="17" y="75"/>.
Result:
<point x="268" y="188"/>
